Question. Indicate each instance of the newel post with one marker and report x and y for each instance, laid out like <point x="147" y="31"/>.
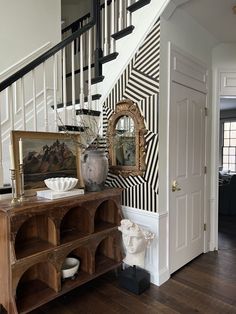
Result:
<point x="98" y="34"/>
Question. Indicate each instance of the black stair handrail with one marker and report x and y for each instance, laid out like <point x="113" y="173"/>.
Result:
<point x="52" y="51"/>
<point x="76" y="24"/>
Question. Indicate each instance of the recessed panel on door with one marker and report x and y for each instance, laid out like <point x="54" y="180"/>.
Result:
<point x="196" y="205"/>
<point x="197" y="138"/>
<point x="182" y="138"/>
<point x="181" y="222"/>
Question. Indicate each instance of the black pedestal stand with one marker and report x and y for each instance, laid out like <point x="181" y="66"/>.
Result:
<point x="134" y="279"/>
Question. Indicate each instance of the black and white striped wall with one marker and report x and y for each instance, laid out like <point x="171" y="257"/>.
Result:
<point x="140" y="83"/>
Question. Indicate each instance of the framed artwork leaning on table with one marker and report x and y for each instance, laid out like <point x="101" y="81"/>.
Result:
<point x="44" y="155"/>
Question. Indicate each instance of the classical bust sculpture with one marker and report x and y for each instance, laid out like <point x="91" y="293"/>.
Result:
<point x="135" y="240"/>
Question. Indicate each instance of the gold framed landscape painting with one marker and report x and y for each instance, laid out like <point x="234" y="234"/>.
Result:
<point x="45" y="155"/>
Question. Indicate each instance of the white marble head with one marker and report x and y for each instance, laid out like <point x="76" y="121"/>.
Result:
<point x="135" y="240"/>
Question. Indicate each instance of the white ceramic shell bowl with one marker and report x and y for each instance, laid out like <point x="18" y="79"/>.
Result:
<point x="61" y="184"/>
<point x="70" y="267"/>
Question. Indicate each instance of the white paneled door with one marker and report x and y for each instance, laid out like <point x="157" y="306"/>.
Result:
<point x="187" y="161"/>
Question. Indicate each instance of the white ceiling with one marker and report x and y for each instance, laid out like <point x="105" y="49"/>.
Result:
<point x="216" y="16"/>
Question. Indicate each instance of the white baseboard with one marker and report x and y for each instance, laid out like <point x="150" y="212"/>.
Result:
<point x="163" y="276"/>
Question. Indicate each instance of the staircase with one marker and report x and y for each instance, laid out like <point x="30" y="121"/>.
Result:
<point x="67" y="85"/>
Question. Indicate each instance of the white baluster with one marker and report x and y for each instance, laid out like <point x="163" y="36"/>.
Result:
<point x="93" y="42"/>
<point x="120" y="21"/>
<point x="14" y="98"/>
<point x="34" y="100"/>
<point x="85" y="51"/>
<point x="87" y="21"/>
<point x="1" y="166"/>
<point x="94" y="39"/>
<point x="102" y="27"/>
<point x="23" y="103"/>
<point x="89" y="71"/>
<point x="112" y="25"/>
<point x="45" y="97"/>
<point x="64" y="83"/>
<point x="105" y="29"/>
<point x="9" y="98"/>
<point x="81" y="73"/>
<point x="128" y="13"/>
<point x="73" y="82"/>
<point x="55" y="89"/>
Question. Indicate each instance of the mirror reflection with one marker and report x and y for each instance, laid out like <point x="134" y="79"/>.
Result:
<point x="125" y="148"/>
<point x="125" y="131"/>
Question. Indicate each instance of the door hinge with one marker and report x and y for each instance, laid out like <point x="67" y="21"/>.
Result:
<point x="205" y="169"/>
<point x="206" y="111"/>
<point x="205" y="227"/>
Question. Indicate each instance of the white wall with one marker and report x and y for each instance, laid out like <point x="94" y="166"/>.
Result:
<point x="182" y="31"/>
<point x="25" y="26"/>
<point x="28" y="28"/>
<point x="224" y="56"/>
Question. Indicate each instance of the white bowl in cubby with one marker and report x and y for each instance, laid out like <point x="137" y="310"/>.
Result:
<point x="70" y="267"/>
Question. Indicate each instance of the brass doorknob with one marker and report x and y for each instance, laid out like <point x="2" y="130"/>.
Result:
<point x="175" y="186"/>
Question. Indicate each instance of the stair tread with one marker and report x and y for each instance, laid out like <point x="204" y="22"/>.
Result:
<point x="85" y="68"/>
<point x="137" y="5"/>
<point x="71" y="128"/>
<point x="77" y="101"/>
<point x="97" y="79"/>
<point x="88" y="112"/>
<point x="5" y="189"/>
<point x="110" y="57"/>
<point x="122" y="33"/>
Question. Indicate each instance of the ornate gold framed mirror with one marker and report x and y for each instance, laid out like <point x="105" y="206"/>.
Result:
<point x="125" y="133"/>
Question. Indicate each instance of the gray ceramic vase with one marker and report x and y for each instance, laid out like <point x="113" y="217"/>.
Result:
<point x="94" y="169"/>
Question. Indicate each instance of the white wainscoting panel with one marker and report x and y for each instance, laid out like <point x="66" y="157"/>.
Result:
<point x="163" y="248"/>
<point x="156" y="260"/>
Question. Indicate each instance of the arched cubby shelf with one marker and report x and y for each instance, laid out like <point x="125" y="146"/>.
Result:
<point x="86" y="267"/>
<point x="36" y="234"/>
<point x="106" y="216"/>
<point x="107" y="254"/>
<point x="39" y="279"/>
<point x="75" y="224"/>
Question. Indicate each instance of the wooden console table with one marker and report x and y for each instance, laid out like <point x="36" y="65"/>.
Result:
<point x="37" y="236"/>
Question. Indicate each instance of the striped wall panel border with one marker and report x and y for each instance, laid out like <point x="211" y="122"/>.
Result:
<point x="140" y="83"/>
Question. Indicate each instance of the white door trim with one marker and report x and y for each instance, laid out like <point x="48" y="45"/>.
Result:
<point x="214" y="156"/>
<point x="201" y="83"/>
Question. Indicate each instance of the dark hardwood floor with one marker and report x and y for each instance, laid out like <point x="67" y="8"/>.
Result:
<point x="205" y="285"/>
